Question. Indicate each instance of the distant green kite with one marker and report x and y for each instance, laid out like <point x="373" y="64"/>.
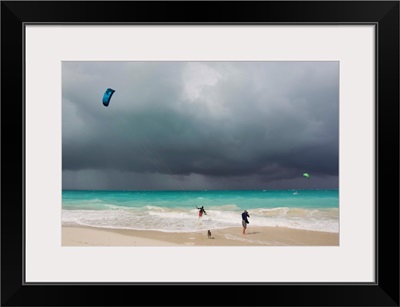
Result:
<point x="306" y="175"/>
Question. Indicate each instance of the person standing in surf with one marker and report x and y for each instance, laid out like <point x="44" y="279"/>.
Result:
<point x="245" y="221"/>
<point x="201" y="211"/>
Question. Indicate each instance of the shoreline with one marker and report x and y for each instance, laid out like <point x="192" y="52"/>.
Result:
<point x="255" y="236"/>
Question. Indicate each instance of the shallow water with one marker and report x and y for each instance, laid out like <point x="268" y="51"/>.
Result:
<point x="175" y="211"/>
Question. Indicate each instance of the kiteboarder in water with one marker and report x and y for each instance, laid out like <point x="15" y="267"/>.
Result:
<point x="201" y="211"/>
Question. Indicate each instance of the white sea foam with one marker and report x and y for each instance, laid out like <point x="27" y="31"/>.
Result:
<point x="183" y="220"/>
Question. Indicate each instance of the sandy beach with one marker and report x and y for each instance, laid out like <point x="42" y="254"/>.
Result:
<point x="255" y="236"/>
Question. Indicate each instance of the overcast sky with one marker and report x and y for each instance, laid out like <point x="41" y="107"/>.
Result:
<point x="200" y="125"/>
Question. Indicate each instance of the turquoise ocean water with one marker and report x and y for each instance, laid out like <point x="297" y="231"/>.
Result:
<point x="175" y="211"/>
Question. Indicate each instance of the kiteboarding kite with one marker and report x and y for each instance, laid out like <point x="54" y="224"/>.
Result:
<point x="107" y="96"/>
<point x="306" y="175"/>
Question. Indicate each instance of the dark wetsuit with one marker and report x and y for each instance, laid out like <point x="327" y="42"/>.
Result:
<point x="245" y="221"/>
<point x="244" y="217"/>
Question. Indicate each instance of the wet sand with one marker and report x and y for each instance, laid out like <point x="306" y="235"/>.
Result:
<point x="255" y="236"/>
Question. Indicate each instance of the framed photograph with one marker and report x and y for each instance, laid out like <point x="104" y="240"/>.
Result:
<point x="201" y="146"/>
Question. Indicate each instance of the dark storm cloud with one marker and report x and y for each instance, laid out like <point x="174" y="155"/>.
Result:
<point x="200" y="123"/>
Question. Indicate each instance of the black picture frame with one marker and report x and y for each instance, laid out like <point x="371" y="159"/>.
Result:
<point x="383" y="14"/>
